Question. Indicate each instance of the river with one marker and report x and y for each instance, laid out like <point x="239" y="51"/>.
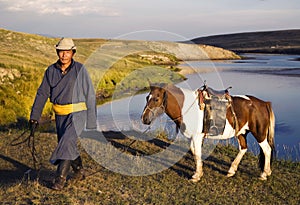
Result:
<point x="274" y="78"/>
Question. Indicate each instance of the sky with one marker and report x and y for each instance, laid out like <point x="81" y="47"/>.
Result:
<point x="173" y="20"/>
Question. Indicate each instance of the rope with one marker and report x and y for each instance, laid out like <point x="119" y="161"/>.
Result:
<point x="131" y="143"/>
<point x="30" y="143"/>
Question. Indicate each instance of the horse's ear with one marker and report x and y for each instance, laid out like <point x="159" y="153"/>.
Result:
<point x="162" y="85"/>
<point x="204" y="86"/>
<point x="148" y="80"/>
<point x="151" y="85"/>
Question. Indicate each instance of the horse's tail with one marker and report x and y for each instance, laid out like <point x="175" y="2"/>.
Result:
<point x="270" y="137"/>
<point x="271" y="128"/>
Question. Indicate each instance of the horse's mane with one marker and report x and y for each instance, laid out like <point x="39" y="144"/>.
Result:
<point x="172" y="89"/>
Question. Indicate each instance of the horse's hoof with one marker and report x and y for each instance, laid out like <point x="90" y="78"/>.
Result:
<point x="262" y="178"/>
<point x="194" y="180"/>
<point x="264" y="175"/>
<point x="230" y="174"/>
<point x="196" y="177"/>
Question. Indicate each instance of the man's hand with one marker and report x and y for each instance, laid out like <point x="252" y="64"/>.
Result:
<point x="33" y="124"/>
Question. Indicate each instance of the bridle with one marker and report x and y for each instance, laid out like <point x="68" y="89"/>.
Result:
<point x="163" y="107"/>
<point x="152" y="110"/>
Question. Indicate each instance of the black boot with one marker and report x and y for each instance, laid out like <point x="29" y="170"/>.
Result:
<point x="61" y="174"/>
<point x="78" y="169"/>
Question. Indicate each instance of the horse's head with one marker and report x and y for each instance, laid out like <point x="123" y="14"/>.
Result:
<point x="155" y="103"/>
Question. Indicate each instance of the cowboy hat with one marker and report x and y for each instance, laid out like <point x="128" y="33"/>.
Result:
<point x="65" y="44"/>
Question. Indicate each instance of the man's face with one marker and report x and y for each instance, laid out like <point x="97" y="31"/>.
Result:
<point x="65" y="56"/>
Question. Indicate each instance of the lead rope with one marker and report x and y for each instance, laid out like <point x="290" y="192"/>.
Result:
<point x="131" y="143"/>
<point x="31" y="145"/>
<point x="33" y="151"/>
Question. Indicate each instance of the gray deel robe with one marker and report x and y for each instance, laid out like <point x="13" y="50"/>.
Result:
<point x="73" y="87"/>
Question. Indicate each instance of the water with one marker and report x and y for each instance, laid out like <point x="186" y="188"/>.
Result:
<point x="274" y="78"/>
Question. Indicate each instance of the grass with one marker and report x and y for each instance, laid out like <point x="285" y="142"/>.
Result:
<point x="170" y="186"/>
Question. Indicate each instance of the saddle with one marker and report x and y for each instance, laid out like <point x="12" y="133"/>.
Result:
<point x="215" y="104"/>
<point x="221" y="94"/>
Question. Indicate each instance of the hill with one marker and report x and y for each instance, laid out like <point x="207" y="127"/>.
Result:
<point x="282" y="41"/>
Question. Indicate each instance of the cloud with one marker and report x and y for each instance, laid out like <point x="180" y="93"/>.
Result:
<point x="62" y="7"/>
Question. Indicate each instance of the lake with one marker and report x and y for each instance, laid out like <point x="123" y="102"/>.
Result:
<point x="274" y="78"/>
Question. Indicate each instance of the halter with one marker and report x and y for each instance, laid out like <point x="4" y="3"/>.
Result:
<point x="152" y="110"/>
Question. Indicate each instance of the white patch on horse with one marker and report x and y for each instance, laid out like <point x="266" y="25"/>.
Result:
<point x="243" y="129"/>
<point x="148" y="99"/>
<point x="192" y="116"/>
<point x="242" y="96"/>
<point x="234" y="165"/>
<point x="267" y="151"/>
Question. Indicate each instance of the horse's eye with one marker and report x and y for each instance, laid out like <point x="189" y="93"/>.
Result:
<point x="156" y="99"/>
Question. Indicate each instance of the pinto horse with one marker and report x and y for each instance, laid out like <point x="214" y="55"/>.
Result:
<point x="244" y="114"/>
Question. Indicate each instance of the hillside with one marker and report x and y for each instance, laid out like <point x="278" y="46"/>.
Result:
<point x="24" y="58"/>
<point x="283" y="41"/>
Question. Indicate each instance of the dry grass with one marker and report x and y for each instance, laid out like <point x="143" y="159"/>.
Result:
<point x="170" y="186"/>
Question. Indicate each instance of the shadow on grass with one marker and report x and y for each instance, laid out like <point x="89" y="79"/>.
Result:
<point x="22" y="172"/>
<point x="121" y="141"/>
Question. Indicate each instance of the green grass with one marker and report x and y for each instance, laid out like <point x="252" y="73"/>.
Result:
<point x="171" y="186"/>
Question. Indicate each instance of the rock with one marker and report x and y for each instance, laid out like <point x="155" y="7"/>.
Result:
<point x="9" y="74"/>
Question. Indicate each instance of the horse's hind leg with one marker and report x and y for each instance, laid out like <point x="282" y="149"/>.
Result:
<point x="267" y="151"/>
<point x="242" y="150"/>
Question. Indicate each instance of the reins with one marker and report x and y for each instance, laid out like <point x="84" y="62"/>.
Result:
<point x="30" y="143"/>
<point x="131" y="143"/>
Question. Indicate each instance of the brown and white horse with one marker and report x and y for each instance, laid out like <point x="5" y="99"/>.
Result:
<point x="247" y="114"/>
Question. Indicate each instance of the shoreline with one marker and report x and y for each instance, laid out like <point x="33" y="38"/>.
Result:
<point x="186" y="69"/>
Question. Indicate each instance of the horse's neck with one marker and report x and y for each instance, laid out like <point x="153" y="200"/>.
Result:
<point x="174" y="104"/>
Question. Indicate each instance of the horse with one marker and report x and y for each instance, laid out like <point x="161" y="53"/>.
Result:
<point x="244" y="114"/>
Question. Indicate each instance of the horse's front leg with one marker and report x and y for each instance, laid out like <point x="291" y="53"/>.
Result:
<point x="242" y="150"/>
<point x="236" y="162"/>
<point x="196" y="147"/>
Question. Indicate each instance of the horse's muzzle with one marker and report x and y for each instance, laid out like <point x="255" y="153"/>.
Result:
<point x="146" y="120"/>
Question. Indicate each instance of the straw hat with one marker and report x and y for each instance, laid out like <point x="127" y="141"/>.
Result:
<point x="65" y="44"/>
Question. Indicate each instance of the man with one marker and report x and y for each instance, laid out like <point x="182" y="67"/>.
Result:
<point x="69" y="88"/>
